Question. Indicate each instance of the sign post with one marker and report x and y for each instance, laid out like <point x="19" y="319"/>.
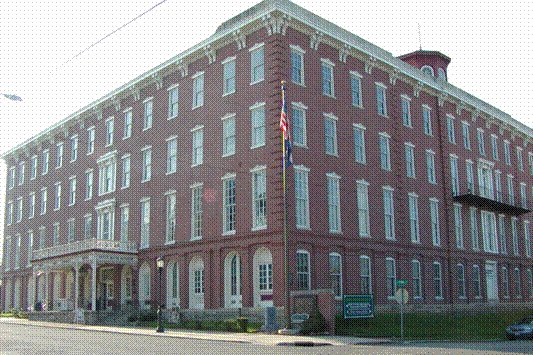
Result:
<point x="401" y="296"/>
<point x="358" y="306"/>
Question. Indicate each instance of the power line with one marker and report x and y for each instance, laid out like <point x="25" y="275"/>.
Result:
<point x="115" y="31"/>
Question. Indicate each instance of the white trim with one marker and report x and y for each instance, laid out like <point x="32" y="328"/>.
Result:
<point x="405" y="97"/>
<point x="363" y="182"/>
<point x="257" y="105"/>
<point x="229" y="176"/>
<point x="359" y="125"/>
<point x="197" y="74"/>
<point x="228" y="59"/>
<point x="256" y="46"/>
<point x="150" y="98"/>
<point x="409" y="144"/>
<point x="333" y="175"/>
<point x="128" y="109"/>
<point x="356" y="73"/>
<point x="384" y="134"/>
<point x="327" y="62"/>
<point x="302" y="168"/>
<point x="171" y="138"/>
<point x="228" y="115"/>
<point x="197" y="127"/>
<point x="196" y="184"/>
<point x="299" y="105"/>
<point x="297" y="48"/>
<point x="381" y="85"/>
<point x="330" y="115"/>
<point x="258" y="168"/>
<point x="172" y="87"/>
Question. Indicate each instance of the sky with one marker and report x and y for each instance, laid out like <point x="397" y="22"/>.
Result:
<point x="490" y="44"/>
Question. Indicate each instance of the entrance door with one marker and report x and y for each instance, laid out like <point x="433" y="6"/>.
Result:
<point x="491" y="276"/>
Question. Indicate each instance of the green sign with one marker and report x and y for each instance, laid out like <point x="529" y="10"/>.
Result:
<point x="401" y="283"/>
<point x="358" y="306"/>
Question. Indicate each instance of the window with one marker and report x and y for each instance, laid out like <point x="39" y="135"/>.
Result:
<point x="390" y="266"/>
<point x="257" y="63"/>
<point x="505" y="282"/>
<point x="454" y="171"/>
<point x="466" y="135"/>
<point x="523" y="195"/>
<point x="519" y="159"/>
<point x="72" y="191"/>
<point x="229" y="204"/>
<point x="450" y="125"/>
<point x="517" y="283"/>
<point x="481" y="141"/>
<point x="196" y="211"/>
<point x="388" y="208"/>
<point x="406" y="111"/>
<point x="330" y="134"/>
<point x="529" y="282"/>
<point x="148" y="113"/>
<point x="328" y="83"/>
<point x="435" y="227"/>
<point x="127" y="123"/>
<point x="410" y="160"/>
<point x="228" y="135"/>
<point x="416" y="274"/>
<point x="299" y="125"/>
<point x="461" y="287"/>
<point x="88" y="184"/>
<point x="228" y="76"/>
<point x="259" y="199"/>
<point x="301" y="191"/>
<point x="7" y="254"/>
<point x="11" y="177"/>
<point x="363" y="209"/>
<point x="474" y="231"/>
<point x="335" y="273"/>
<point x="514" y="232"/>
<point x="384" y="151"/>
<point x="90" y="140"/>
<point x="488" y="228"/>
<point x="171" y="217"/>
<point x="258" y="124"/>
<point x="57" y="196"/>
<point x="265" y="277"/>
<point x="510" y="189"/>
<point x="19" y="210"/>
<point x="302" y="270"/>
<point x="413" y="218"/>
<point x="107" y="167"/>
<point x="21" y="172"/>
<point x="43" y="200"/>
<point x="498" y="183"/>
<point x="124" y="222"/>
<point x="507" y="152"/>
<point x="527" y="239"/>
<point x="530" y="163"/>
<point x="55" y="234"/>
<point x="359" y="143"/>
<point x="73" y="148"/>
<point x="172" y="101"/>
<point x="503" y="237"/>
<point x="441" y="74"/>
<point x="457" y="212"/>
<point x="426" y="69"/>
<point x="33" y="167"/>
<point x="9" y="213"/>
<point x="297" y="65"/>
<point x="470" y="185"/>
<point x="365" y="274"/>
<point x="381" y="99"/>
<point x="485" y="180"/>
<point x="145" y="223"/>
<point x="476" y="281"/>
<point x="172" y="154"/>
<point x="88" y="226"/>
<point x="17" y="252"/>
<point x="426" y="116"/>
<point x="430" y="164"/>
<point x="494" y="146"/>
<point x="437" y="279"/>
<point x="46" y="160"/>
<point x="198" y="90"/>
<point x="30" y="248"/>
<point x="126" y="171"/>
<point x="147" y="164"/>
<point x="357" y="95"/>
<point x="59" y="155"/>
<point x="197" y="145"/>
<point x="110" y="127"/>
<point x="334" y="207"/>
<point x="31" y="205"/>
<point x="70" y="230"/>
<point x="42" y="237"/>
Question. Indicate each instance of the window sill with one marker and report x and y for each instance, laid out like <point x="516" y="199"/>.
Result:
<point x="193" y="239"/>
<point x="358" y="106"/>
<point x="146" y="180"/>
<point x="195" y="107"/>
<point x="89" y="153"/>
<point x="170" y="172"/>
<point x="336" y="155"/>
<point x="228" y="93"/>
<point x="146" y="128"/>
<point x="58" y="167"/>
<point x="259" y="228"/>
<point x="383" y="115"/>
<point x="124" y="138"/>
<point x="71" y="204"/>
<point x="257" y="81"/>
<point x="194" y="165"/>
<point x="335" y="232"/>
<point x="57" y="209"/>
<point x="228" y="155"/>
<point x="305" y="228"/>
<point x="300" y="145"/>
<point x="439" y="298"/>
<point x="462" y="297"/>
<point x="124" y="187"/>
<point x="302" y="84"/>
<point x="31" y="217"/>
<point x="172" y="117"/>
<point x="257" y="146"/>
<point x="232" y="232"/>
<point x="88" y="199"/>
<point x="170" y="242"/>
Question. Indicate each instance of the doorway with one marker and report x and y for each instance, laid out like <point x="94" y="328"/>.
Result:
<point x="491" y="275"/>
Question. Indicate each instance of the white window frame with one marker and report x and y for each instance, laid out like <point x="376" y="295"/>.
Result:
<point x="301" y="195"/>
<point x="124" y="221"/>
<point x="34" y="162"/>
<point x="44" y="200"/>
<point x="520" y="158"/>
<point x="328" y="65"/>
<point x="257" y="49"/>
<point x="458" y="219"/>
<point x="196" y="211"/>
<point x="88" y="226"/>
<point x="384" y="151"/>
<point x="414" y="221"/>
<point x="170" y="217"/>
<point x="470" y="183"/>
<point x="435" y="221"/>
<point x="454" y="173"/>
<point x="481" y="142"/>
<point x="299" y="107"/>
<point x="73" y="148"/>
<point x="365" y="274"/>
<point x="228" y="135"/>
<point x="406" y="111"/>
<point x="227" y="65"/>
<point x="430" y="167"/>
<point x="90" y="140"/>
<point x="303" y="275"/>
<point x="357" y="95"/>
<point x="146" y="154"/>
<point x="57" y="196"/>
<point x="450" y="128"/>
<point x="126" y="171"/>
<point x="20" y="209"/>
<point x="145" y="207"/>
<point x="334" y="204"/>
<point x="71" y="230"/>
<point x="72" y="182"/>
<point x="338" y="275"/>
<point x="148" y="115"/>
<point x="259" y="209"/>
<point x="390" y="279"/>
<point x="514" y="233"/>
<point x="465" y="128"/>
<point x="46" y="161"/>
<point x="89" y="176"/>
<point x="474" y="229"/>
<point x="461" y="283"/>
<point x="109" y="131"/>
<point x="31" y="205"/>
<point x="258" y="125"/>
<point x="107" y="165"/>
<point x="381" y="102"/>
<point x="198" y="90"/>
<point x="60" y="151"/>
<point x="229" y="204"/>
<point x="476" y="280"/>
<point x="426" y="117"/>
<point x="388" y="212"/>
<point x="359" y="129"/>
<point x="505" y="282"/>
<point x="416" y="275"/>
<point x="489" y="232"/>
<point x="128" y="123"/>
<point x="172" y="154"/>
<point x="503" y="234"/>
<point x="173" y="101"/>
<point x="527" y="238"/>
<point x="297" y="50"/>
<point x="332" y="120"/>
<point x="410" y="168"/>
<point x="494" y="146"/>
<point x="363" y="209"/>
<point x="437" y="280"/>
<point x="507" y="152"/>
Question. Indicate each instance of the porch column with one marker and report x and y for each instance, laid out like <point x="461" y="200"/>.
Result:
<point x="93" y="296"/>
<point x="47" y="289"/>
<point x="76" y="285"/>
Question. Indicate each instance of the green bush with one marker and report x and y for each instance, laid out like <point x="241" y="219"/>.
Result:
<point x="133" y="318"/>
<point x="232" y="325"/>
<point x="316" y="323"/>
<point x="148" y="316"/>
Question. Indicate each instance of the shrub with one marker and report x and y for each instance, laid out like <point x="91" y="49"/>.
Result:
<point x="148" y="316"/>
<point x="315" y="324"/>
<point x="232" y="325"/>
<point x="133" y="318"/>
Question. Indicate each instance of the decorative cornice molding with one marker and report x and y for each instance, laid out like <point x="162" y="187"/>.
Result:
<point x="460" y="107"/>
<point x="210" y="53"/>
<point x="156" y="77"/>
<point x="344" y="51"/>
<point x="442" y="97"/>
<point x="136" y="92"/>
<point x="475" y="115"/>
<point x="393" y="76"/>
<point x="417" y="88"/>
<point x="276" y="24"/>
<point x="315" y="40"/>
<point x="370" y="62"/>
<point x="183" y="68"/>
<point x="115" y="100"/>
<point x="239" y="38"/>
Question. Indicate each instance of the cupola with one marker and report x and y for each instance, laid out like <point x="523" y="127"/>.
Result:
<point x="430" y="62"/>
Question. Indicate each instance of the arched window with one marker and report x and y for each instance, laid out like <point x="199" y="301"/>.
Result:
<point x="196" y="283"/>
<point x="426" y="69"/>
<point x="441" y="74"/>
<point x="173" y="297"/>
<point x="144" y="286"/>
<point x="233" y="280"/>
<point x="263" y="278"/>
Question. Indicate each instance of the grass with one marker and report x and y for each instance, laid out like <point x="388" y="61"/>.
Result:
<point x="204" y="325"/>
<point x="14" y="314"/>
<point x="486" y="326"/>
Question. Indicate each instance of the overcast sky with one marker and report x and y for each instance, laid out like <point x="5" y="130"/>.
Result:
<point x="490" y="44"/>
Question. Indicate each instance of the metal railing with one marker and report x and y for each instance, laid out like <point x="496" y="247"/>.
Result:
<point x="85" y="245"/>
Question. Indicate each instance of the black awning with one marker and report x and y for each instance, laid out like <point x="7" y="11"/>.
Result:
<point x="490" y="205"/>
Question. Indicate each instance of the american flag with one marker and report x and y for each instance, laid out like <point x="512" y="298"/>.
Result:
<point x="284" y="126"/>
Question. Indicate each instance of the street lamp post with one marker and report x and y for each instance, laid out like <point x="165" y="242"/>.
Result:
<point x="160" y="264"/>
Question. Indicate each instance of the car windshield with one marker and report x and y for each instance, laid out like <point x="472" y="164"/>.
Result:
<point x="528" y="320"/>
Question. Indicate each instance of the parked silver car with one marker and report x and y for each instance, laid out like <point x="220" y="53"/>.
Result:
<point x="520" y="330"/>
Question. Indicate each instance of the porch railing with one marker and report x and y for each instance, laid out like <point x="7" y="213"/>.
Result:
<point x="86" y="245"/>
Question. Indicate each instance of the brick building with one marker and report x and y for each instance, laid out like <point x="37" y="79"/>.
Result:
<point x="398" y="175"/>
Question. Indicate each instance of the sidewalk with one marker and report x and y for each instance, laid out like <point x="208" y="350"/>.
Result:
<point x="251" y="338"/>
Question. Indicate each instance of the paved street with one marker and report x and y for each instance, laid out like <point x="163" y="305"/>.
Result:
<point x="29" y="339"/>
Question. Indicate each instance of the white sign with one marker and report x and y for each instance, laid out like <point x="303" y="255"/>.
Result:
<point x="398" y="296"/>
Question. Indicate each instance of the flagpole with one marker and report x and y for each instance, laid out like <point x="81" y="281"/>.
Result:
<point x="285" y="239"/>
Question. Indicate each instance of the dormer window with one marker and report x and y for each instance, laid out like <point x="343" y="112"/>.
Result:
<point x="441" y="74"/>
<point x="426" y="69"/>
